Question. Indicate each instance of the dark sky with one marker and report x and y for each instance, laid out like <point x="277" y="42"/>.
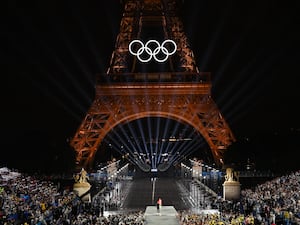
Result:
<point x="51" y="52"/>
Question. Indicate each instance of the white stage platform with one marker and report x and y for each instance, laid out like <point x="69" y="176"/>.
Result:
<point x="167" y="216"/>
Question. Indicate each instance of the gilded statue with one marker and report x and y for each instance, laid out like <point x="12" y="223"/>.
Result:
<point x="82" y="177"/>
<point x="231" y="175"/>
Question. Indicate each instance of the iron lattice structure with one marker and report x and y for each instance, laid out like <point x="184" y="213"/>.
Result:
<point x="128" y="92"/>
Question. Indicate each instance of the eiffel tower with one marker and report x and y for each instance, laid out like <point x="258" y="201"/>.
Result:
<point x="131" y="90"/>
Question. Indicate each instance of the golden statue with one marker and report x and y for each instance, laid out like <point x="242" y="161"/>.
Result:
<point x="231" y="175"/>
<point x="81" y="186"/>
<point x="82" y="177"/>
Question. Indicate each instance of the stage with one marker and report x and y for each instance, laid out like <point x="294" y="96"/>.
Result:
<point x="166" y="216"/>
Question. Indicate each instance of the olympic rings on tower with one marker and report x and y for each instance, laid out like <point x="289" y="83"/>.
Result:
<point x="152" y="53"/>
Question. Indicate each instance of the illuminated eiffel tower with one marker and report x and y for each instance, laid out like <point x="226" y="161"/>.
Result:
<point x="131" y="90"/>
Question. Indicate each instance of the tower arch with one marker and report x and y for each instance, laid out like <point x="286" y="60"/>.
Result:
<point x="173" y="89"/>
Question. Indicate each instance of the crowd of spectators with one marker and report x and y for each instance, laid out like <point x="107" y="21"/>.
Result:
<point x="189" y="218"/>
<point x="30" y="201"/>
<point x="273" y="202"/>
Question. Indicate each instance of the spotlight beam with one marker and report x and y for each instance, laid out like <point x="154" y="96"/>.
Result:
<point x="57" y="86"/>
<point x="82" y="67"/>
<point x="164" y="135"/>
<point x="45" y="90"/>
<point x="185" y="146"/>
<point x="143" y="139"/>
<point x="157" y="138"/>
<point x="178" y="149"/>
<point x="68" y="75"/>
<point x="227" y="61"/>
<point x="92" y="47"/>
<point x="236" y="83"/>
<point x="189" y="149"/>
<point x="177" y="143"/>
<point x="212" y="45"/>
<point x="150" y="140"/>
<point x="123" y="142"/>
<point x="252" y="82"/>
<point x="136" y="109"/>
<point x="181" y="146"/>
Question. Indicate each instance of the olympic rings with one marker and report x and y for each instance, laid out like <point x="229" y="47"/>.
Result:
<point x="152" y="53"/>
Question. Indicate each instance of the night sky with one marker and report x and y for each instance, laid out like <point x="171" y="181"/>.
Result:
<point x="51" y="52"/>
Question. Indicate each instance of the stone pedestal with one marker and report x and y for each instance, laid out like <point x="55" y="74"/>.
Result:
<point x="83" y="191"/>
<point x="231" y="190"/>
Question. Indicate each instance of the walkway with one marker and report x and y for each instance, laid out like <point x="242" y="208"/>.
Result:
<point x="167" y="216"/>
